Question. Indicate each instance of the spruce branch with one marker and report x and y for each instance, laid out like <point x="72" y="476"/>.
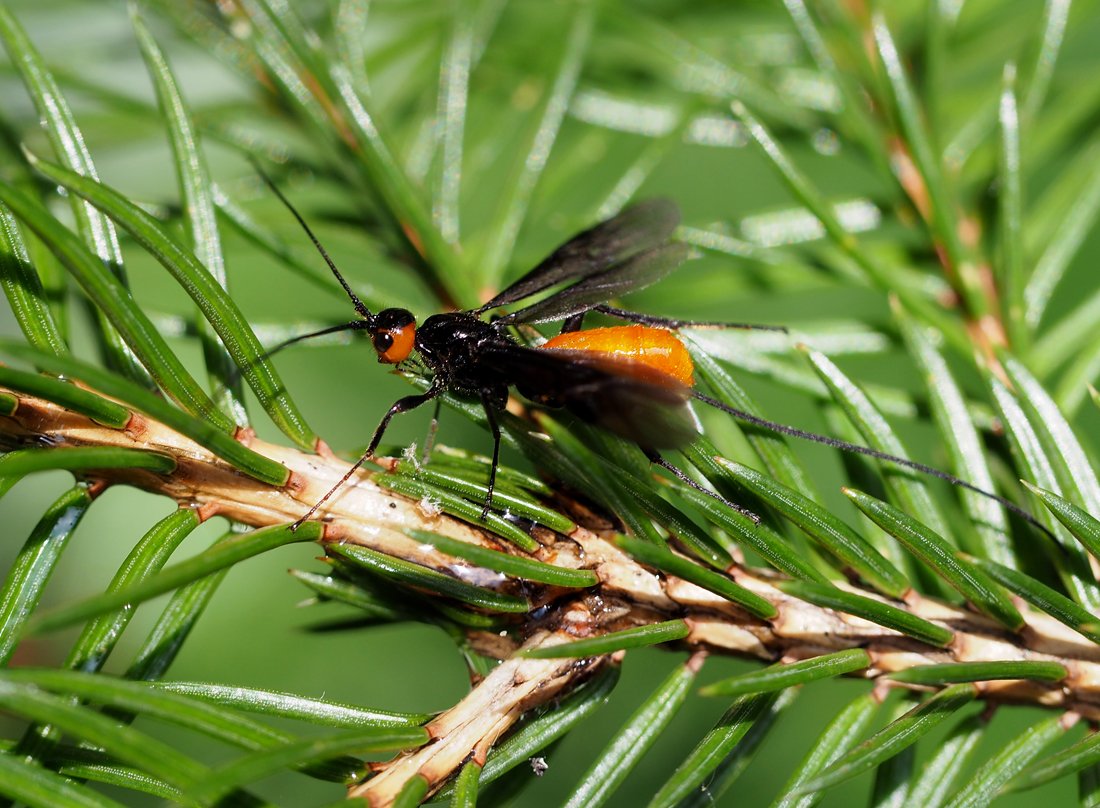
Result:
<point x="629" y="594"/>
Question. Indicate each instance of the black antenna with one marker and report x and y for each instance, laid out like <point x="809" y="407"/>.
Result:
<point x="855" y="448"/>
<point x="354" y="325"/>
<point x="359" y="306"/>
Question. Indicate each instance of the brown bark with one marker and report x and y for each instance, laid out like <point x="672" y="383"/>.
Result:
<point x="629" y="594"/>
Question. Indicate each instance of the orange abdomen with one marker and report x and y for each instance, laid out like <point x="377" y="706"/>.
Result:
<point x="654" y="347"/>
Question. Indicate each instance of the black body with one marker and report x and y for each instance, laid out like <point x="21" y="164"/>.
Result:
<point x="454" y="346"/>
<point x="469" y="356"/>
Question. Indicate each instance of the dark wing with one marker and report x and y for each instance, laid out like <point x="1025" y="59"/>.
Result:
<point x="635" y="229"/>
<point x="623" y="396"/>
<point x="636" y="272"/>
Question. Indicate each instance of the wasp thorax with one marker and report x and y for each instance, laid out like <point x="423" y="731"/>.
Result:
<point x="393" y="333"/>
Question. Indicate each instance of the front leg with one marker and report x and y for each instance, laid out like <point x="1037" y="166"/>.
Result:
<point x="401" y="405"/>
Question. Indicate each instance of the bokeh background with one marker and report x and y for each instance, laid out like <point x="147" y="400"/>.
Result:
<point x="255" y="633"/>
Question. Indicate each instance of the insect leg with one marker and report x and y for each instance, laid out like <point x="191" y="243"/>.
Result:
<point x="401" y="405"/>
<point x="668" y="322"/>
<point x="494" y="427"/>
<point x="573" y="323"/>
<point x="654" y="457"/>
<point x="433" y="427"/>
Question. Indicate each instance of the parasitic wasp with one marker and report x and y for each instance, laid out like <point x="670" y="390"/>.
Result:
<point x="634" y="380"/>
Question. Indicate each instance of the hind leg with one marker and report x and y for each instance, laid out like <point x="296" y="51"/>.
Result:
<point x="655" y="457"/>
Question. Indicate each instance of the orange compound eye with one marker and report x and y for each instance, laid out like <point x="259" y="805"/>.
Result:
<point x="395" y="344"/>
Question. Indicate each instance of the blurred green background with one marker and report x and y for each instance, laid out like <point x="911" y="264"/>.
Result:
<point x="254" y="634"/>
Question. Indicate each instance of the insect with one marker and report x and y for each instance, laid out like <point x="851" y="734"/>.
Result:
<point x="634" y="380"/>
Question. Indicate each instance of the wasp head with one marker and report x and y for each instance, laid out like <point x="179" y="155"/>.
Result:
<point x="393" y="332"/>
